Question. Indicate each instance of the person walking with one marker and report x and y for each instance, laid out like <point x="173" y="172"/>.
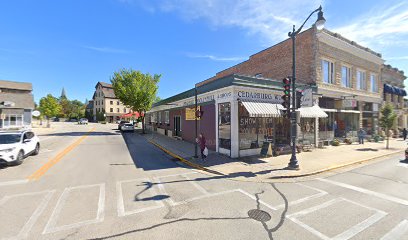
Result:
<point x="361" y="135"/>
<point x="202" y="142"/>
<point x="404" y="133"/>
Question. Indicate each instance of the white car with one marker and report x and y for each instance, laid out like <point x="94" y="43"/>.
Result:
<point x="15" y="146"/>
<point x="127" y="127"/>
<point x="83" y="121"/>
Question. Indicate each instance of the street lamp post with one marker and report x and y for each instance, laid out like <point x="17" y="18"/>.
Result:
<point x="293" y="164"/>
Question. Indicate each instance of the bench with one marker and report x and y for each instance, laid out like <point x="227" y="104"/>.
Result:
<point x="306" y="145"/>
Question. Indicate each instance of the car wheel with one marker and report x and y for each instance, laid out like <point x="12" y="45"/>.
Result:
<point x="37" y="149"/>
<point x="20" y="158"/>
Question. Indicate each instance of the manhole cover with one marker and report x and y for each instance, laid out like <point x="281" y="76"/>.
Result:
<point x="259" y="215"/>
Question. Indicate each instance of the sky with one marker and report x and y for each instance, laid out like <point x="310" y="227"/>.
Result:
<point x="76" y="43"/>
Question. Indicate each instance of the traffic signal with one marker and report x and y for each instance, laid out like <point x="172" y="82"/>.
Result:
<point x="299" y="97"/>
<point x="286" y="97"/>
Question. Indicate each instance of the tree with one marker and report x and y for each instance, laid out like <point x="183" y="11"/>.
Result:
<point x="136" y="90"/>
<point x="387" y="120"/>
<point x="77" y="109"/>
<point x="49" y="107"/>
<point x="158" y="99"/>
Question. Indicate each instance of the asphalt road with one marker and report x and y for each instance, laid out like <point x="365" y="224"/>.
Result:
<point x="91" y="182"/>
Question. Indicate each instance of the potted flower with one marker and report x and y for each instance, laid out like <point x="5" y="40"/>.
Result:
<point x="335" y="142"/>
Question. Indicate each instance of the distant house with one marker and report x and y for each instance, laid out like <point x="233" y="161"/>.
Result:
<point x="89" y="110"/>
<point x="106" y="104"/>
<point x="16" y="104"/>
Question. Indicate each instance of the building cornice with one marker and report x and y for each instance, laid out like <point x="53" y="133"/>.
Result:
<point x="349" y="47"/>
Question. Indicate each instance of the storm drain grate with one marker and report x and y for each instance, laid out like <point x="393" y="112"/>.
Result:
<point x="259" y="215"/>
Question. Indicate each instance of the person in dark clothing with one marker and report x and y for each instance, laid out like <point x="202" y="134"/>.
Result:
<point x="404" y="133"/>
<point x="202" y="142"/>
<point x="361" y="135"/>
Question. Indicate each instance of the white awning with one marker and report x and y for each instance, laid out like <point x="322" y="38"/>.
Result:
<point x="312" y="112"/>
<point x="262" y="109"/>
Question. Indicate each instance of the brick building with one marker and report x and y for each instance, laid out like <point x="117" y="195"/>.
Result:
<point x="106" y="104"/>
<point x="394" y="93"/>
<point x="346" y="74"/>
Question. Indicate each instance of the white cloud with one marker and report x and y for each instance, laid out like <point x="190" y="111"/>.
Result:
<point x="270" y="19"/>
<point x="382" y="27"/>
<point x="106" y="49"/>
<point x="217" y="58"/>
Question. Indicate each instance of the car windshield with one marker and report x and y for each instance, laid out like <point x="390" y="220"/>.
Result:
<point x="9" y="138"/>
<point x="129" y="124"/>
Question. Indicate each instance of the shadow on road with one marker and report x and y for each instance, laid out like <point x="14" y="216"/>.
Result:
<point x="148" y="185"/>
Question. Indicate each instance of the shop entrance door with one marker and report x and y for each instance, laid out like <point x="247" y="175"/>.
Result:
<point x="177" y="126"/>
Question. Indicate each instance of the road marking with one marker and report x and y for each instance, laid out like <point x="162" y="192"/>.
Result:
<point x="349" y="233"/>
<point x="366" y="191"/>
<point x="397" y="232"/>
<point x="40" y="172"/>
<point x="121" y="204"/>
<point x="52" y="222"/>
<point x="13" y="182"/>
<point x="308" y="198"/>
<point x="196" y="185"/>
<point x="254" y="198"/>
<point x="34" y="217"/>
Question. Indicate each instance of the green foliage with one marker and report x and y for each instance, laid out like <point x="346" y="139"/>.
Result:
<point x="335" y="142"/>
<point x="49" y="106"/>
<point x="136" y="89"/>
<point x="100" y="116"/>
<point x="387" y="120"/>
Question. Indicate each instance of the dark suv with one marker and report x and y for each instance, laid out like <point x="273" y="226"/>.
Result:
<point x="121" y="123"/>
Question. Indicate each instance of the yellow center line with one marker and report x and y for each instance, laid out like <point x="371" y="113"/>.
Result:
<point x="44" y="168"/>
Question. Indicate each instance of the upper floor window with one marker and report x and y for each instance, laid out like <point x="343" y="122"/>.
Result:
<point x="346" y="77"/>
<point x="328" y="71"/>
<point x="111" y="102"/>
<point x="118" y="110"/>
<point x="361" y="80"/>
<point x="373" y="83"/>
<point x="118" y="103"/>
<point x="111" y="110"/>
<point x="124" y="110"/>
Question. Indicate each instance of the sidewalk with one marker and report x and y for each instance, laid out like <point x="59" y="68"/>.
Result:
<point x="264" y="169"/>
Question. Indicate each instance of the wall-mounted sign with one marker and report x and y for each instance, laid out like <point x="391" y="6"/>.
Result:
<point x="307" y="98"/>
<point x="36" y="113"/>
<point x="349" y="103"/>
<point x="190" y="113"/>
<point x="8" y="104"/>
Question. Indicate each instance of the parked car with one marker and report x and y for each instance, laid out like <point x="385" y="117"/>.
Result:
<point x="121" y="123"/>
<point x="15" y="146"/>
<point x="56" y="119"/>
<point x="73" y="120"/>
<point x="127" y="127"/>
<point x="83" y="121"/>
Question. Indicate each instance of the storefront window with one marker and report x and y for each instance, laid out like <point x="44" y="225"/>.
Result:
<point x="224" y="125"/>
<point x="253" y="131"/>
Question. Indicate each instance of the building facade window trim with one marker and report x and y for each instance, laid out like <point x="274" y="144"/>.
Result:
<point x="346" y="76"/>
<point x="327" y="71"/>
<point x="374" y="82"/>
<point x="361" y="79"/>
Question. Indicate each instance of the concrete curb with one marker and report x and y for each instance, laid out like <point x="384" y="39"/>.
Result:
<point x="183" y="160"/>
<point x="200" y="167"/>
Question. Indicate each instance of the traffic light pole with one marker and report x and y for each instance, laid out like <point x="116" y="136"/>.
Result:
<point x="293" y="164"/>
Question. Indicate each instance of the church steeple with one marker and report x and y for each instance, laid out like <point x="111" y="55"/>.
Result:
<point x="63" y="94"/>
